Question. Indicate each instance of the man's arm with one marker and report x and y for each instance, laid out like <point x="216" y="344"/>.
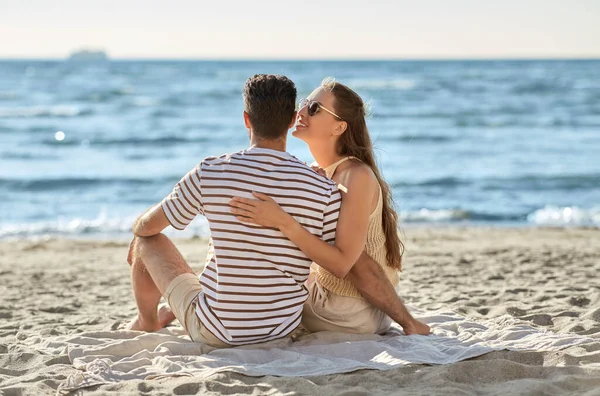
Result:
<point x="178" y="209"/>
<point x="151" y="222"/>
<point x="372" y="283"/>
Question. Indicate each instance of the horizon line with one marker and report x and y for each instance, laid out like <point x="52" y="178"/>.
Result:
<point x="325" y="59"/>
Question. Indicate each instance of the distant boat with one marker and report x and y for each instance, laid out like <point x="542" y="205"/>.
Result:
<point x="88" y="56"/>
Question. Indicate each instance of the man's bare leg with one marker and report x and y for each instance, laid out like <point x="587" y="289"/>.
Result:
<point x="155" y="262"/>
<point x="371" y="281"/>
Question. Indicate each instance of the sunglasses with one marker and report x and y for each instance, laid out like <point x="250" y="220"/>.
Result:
<point x="313" y="108"/>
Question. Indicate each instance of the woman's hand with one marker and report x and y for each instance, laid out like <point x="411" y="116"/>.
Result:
<point x="263" y="211"/>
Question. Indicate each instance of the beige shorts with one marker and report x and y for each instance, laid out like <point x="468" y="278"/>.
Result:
<point x="327" y="311"/>
<point x="182" y="296"/>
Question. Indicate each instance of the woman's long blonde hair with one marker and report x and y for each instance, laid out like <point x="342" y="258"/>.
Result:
<point x="356" y="142"/>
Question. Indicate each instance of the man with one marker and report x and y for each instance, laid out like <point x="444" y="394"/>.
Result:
<point x="252" y="289"/>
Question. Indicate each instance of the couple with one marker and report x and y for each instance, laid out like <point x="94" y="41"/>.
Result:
<point x="271" y="217"/>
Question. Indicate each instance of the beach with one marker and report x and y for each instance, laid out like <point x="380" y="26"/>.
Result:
<point x="546" y="277"/>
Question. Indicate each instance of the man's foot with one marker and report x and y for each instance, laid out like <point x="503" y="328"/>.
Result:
<point x="416" y="327"/>
<point x="165" y="316"/>
<point x="139" y="325"/>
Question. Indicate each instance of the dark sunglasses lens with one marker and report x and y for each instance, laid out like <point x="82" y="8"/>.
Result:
<point x="313" y="108"/>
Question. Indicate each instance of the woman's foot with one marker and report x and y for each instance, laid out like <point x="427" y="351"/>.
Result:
<point x="416" y="327"/>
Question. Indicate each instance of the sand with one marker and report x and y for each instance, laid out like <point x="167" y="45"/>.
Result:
<point x="545" y="276"/>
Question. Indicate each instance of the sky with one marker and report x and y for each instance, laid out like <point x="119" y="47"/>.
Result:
<point x="271" y="29"/>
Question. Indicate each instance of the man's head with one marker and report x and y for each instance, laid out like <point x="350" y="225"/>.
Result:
<point x="269" y="105"/>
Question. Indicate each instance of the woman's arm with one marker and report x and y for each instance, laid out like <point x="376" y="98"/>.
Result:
<point x="351" y="230"/>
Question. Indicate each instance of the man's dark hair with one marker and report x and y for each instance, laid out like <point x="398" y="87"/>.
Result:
<point x="270" y="101"/>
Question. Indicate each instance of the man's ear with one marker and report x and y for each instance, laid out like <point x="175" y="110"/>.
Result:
<point x="247" y="120"/>
<point x="293" y="120"/>
<point x="340" y="128"/>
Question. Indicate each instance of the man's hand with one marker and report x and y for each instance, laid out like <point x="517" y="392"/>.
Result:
<point x="320" y="171"/>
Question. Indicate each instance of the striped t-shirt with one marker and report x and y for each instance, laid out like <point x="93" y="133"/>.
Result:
<point x="253" y="281"/>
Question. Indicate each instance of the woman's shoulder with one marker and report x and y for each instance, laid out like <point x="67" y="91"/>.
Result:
<point x="360" y="170"/>
<point x="358" y="175"/>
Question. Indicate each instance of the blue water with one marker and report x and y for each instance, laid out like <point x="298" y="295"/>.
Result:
<point x="495" y="142"/>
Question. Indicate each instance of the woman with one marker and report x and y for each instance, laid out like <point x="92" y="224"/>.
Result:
<point x="332" y="122"/>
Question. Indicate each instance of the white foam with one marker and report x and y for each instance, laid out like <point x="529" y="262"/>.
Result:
<point x="102" y="225"/>
<point x="120" y="227"/>
<point x="40" y="111"/>
<point x="428" y="215"/>
<point x="565" y="215"/>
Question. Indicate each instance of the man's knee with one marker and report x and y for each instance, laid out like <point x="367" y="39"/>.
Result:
<point x="139" y="249"/>
<point x="159" y="249"/>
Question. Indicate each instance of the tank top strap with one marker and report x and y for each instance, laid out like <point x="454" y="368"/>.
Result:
<point x="330" y="170"/>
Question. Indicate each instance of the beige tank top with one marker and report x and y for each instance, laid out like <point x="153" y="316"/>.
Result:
<point x="375" y="247"/>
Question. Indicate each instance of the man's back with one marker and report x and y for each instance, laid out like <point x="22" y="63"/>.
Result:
<point x="254" y="277"/>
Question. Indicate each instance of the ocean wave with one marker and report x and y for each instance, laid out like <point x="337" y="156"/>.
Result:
<point x="429" y="215"/>
<point x="164" y="113"/>
<point x="537" y="183"/>
<point x="527" y="182"/>
<point x="438" y="182"/>
<point x="105" y="96"/>
<point x="540" y="87"/>
<point x="101" y="225"/>
<point x="565" y="215"/>
<point x="379" y="84"/>
<point x="413" y="114"/>
<point x="43" y="111"/>
<point x="29" y="156"/>
<point x="425" y="215"/>
<point x="68" y="227"/>
<point x="425" y="114"/>
<point x="210" y="126"/>
<point x="543" y="182"/>
<point x="8" y="95"/>
<point x="547" y="216"/>
<point x="137" y="142"/>
<point x="117" y="227"/>
<point x="221" y="93"/>
<point x="418" y="138"/>
<point x="145" y="101"/>
<point x="37" y="185"/>
<point x="496" y="116"/>
<point x="200" y="97"/>
<point x="29" y="129"/>
<point x="492" y="121"/>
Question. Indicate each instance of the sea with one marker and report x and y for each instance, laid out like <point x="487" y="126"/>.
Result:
<point x="86" y="147"/>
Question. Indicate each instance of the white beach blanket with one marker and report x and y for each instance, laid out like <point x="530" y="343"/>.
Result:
<point x="114" y="356"/>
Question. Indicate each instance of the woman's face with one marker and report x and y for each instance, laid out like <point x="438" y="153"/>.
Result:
<point x="320" y="126"/>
